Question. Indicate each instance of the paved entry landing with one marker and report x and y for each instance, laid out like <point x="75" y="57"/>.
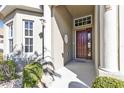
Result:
<point x="68" y="79"/>
<point x="85" y="71"/>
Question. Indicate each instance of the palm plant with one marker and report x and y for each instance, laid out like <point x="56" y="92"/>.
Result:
<point x="46" y="65"/>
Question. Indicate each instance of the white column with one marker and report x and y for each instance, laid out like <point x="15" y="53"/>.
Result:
<point x="96" y="33"/>
<point x="121" y="20"/>
<point x="47" y="31"/>
<point x="101" y="19"/>
<point x="111" y="39"/>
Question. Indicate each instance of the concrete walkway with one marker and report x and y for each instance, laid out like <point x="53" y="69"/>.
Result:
<point x="85" y="71"/>
<point x="75" y="75"/>
<point x="68" y="79"/>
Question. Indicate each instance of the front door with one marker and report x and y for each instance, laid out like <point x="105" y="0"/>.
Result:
<point x="84" y="44"/>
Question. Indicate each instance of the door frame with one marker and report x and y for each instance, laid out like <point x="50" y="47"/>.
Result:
<point x="83" y="59"/>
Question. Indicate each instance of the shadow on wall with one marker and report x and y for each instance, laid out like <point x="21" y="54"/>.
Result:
<point x="64" y="23"/>
<point x="75" y="84"/>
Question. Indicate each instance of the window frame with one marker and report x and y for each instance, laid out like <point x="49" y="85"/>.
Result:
<point x="28" y="36"/>
<point x="78" y="23"/>
<point x="10" y="36"/>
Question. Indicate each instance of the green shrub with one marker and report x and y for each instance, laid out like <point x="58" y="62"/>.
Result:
<point x="107" y="82"/>
<point x="1" y="76"/>
<point x="7" y="70"/>
<point x="1" y="57"/>
<point x="32" y="74"/>
<point x="12" y="68"/>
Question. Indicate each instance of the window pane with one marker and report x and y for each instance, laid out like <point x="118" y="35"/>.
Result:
<point x="26" y="32"/>
<point x="89" y="36"/>
<point x="31" y="41"/>
<point x="26" y="48"/>
<point x="76" y="21"/>
<point x="80" y="20"/>
<point x="89" y="44"/>
<point x="31" y="32"/>
<point x="31" y="25"/>
<point x="11" y="29"/>
<point x="88" y="22"/>
<point x="26" y="24"/>
<point x="31" y="48"/>
<point x="89" y="18"/>
<point x="84" y="23"/>
<point x="10" y="45"/>
<point x="76" y="24"/>
<point x="84" y="19"/>
<point x="26" y="41"/>
<point x="80" y="24"/>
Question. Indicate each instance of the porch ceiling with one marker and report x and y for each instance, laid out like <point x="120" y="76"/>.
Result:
<point x="80" y="10"/>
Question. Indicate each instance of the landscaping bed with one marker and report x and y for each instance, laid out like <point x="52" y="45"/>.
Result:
<point x="34" y="70"/>
<point x="16" y="83"/>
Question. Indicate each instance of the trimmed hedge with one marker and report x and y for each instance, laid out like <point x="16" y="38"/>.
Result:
<point x="107" y="82"/>
<point x="32" y="74"/>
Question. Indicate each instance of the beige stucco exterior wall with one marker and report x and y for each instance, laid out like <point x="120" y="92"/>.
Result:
<point x="18" y="30"/>
<point x="61" y="25"/>
<point x="37" y="28"/>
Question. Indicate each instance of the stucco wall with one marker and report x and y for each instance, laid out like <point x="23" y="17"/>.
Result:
<point x="61" y="24"/>
<point x="18" y="26"/>
<point x="121" y="18"/>
<point x="37" y="28"/>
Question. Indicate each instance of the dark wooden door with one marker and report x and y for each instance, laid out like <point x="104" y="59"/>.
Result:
<point x="83" y="44"/>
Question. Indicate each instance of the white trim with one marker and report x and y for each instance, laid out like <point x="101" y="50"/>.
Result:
<point x="6" y="9"/>
<point x="9" y="25"/>
<point x="11" y="20"/>
<point x="28" y="53"/>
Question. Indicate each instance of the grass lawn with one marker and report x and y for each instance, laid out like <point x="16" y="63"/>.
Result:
<point x="1" y="57"/>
